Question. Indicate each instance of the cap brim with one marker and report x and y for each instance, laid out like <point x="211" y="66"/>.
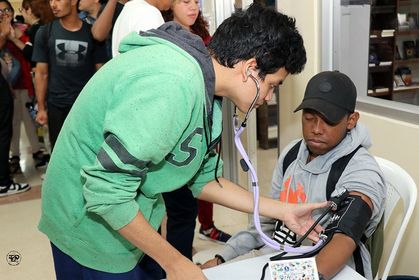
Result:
<point x="332" y="113"/>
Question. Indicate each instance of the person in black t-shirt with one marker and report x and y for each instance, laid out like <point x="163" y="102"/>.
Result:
<point x="66" y="57"/>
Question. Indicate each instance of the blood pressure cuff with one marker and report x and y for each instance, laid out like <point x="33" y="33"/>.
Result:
<point x="351" y="218"/>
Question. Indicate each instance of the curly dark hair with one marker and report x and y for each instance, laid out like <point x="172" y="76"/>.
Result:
<point x="200" y="27"/>
<point x="263" y="33"/>
<point x="40" y="8"/>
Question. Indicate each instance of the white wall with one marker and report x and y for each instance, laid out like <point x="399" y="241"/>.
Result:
<point x="292" y="91"/>
<point x="392" y="139"/>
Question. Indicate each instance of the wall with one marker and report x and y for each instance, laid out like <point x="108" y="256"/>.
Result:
<point x="392" y="139"/>
<point x="292" y="91"/>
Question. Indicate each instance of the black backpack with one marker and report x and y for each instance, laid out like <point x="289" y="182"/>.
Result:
<point x="375" y="242"/>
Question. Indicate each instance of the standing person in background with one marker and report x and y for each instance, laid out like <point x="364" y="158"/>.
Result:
<point x="35" y="13"/>
<point x="7" y="185"/>
<point x="23" y="91"/>
<point x="136" y="16"/>
<point x="181" y="205"/>
<point x="103" y="27"/>
<point x="67" y="57"/>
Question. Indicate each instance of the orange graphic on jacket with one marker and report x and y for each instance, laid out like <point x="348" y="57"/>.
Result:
<point x="293" y="196"/>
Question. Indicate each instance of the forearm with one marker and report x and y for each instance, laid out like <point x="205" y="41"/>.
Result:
<point x="103" y="23"/>
<point x="235" y="197"/>
<point x="140" y="233"/>
<point x="333" y="257"/>
<point x="18" y="43"/>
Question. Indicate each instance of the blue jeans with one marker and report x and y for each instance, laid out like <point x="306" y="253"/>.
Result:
<point x="68" y="269"/>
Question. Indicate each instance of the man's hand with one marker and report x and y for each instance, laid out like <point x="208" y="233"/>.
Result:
<point x="210" y="263"/>
<point x="298" y="218"/>
<point x="15" y="33"/>
<point x="42" y="117"/>
<point x="185" y="269"/>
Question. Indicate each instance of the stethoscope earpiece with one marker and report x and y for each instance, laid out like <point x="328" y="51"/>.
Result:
<point x="248" y="73"/>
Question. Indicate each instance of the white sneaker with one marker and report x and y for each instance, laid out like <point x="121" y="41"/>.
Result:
<point x="14" y="188"/>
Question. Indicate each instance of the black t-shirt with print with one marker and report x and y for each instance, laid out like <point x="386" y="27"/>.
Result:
<point x="71" y="58"/>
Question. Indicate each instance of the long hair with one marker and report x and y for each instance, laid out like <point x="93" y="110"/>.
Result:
<point x="200" y="26"/>
<point x="40" y="8"/>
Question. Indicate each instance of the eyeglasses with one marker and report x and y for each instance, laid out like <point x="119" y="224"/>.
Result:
<point x="5" y="11"/>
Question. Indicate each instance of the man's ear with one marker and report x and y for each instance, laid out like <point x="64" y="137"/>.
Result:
<point x="248" y="66"/>
<point x="352" y="120"/>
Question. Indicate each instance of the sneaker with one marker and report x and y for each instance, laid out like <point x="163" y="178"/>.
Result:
<point x="40" y="159"/>
<point x="214" y="234"/>
<point x="14" y="188"/>
<point x="15" y="165"/>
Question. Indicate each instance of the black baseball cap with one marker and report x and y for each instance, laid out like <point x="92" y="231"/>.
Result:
<point x="332" y="94"/>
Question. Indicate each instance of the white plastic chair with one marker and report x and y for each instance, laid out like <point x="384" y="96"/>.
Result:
<point x="400" y="187"/>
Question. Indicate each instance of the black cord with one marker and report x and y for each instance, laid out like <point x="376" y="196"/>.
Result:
<point x="263" y="271"/>
<point x="313" y="226"/>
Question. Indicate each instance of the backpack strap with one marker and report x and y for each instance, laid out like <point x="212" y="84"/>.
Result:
<point x="359" y="265"/>
<point x="290" y="156"/>
<point x="47" y="34"/>
<point x="374" y="244"/>
<point x="336" y="171"/>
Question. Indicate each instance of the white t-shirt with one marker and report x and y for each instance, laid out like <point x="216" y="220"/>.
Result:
<point x="137" y="15"/>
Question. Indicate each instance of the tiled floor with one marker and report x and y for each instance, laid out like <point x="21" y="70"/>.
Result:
<point x="19" y="216"/>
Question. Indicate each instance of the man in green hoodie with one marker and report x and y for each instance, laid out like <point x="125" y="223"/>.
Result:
<point x="148" y="123"/>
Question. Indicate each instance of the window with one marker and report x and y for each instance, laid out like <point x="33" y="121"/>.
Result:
<point x="369" y="55"/>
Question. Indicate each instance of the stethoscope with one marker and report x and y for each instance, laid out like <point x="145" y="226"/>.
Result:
<point x="247" y="166"/>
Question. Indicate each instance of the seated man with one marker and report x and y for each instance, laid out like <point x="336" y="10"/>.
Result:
<point x="330" y="132"/>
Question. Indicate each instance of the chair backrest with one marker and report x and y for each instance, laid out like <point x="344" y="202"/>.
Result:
<point x="400" y="185"/>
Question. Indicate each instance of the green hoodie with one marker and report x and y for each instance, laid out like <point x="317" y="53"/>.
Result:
<point x="139" y="128"/>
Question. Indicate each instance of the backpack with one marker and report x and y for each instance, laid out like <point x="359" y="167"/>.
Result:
<point x="375" y="242"/>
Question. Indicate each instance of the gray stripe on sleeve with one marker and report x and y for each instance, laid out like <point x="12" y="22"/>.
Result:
<point x="107" y="163"/>
<point x="123" y="154"/>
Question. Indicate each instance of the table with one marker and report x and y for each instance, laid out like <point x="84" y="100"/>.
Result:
<point x="251" y="269"/>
